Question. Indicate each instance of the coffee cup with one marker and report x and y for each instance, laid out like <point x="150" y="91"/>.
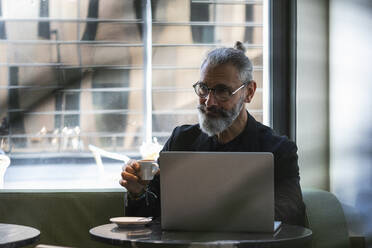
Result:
<point x="148" y="169"/>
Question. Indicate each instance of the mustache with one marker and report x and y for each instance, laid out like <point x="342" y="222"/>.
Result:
<point x="213" y="109"/>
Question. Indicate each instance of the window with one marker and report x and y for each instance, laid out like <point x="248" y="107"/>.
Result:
<point x="112" y="73"/>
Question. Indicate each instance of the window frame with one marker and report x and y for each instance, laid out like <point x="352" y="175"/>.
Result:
<point x="282" y="56"/>
<point x="147" y="66"/>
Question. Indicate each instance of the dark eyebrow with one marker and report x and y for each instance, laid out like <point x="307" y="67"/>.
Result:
<point x="222" y="86"/>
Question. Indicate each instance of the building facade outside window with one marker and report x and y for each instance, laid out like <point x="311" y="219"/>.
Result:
<point x="75" y="73"/>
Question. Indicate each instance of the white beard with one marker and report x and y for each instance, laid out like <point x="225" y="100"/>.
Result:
<point x="215" y="125"/>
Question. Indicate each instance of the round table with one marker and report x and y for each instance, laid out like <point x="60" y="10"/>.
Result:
<point x="152" y="236"/>
<point x="12" y="236"/>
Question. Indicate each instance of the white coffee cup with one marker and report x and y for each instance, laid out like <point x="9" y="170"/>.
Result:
<point x="148" y="169"/>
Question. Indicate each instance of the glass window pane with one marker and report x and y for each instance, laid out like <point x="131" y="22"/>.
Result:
<point x="63" y="9"/>
<point x="22" y="30"/>
<point x="37" y="53"/>
<point x="193" y="56"/>
<point x="256" y="103"/>
<point x="114" y="9"/>
<point x="42" y="99"/>
<point x="121" y="56"/>
<point x="174" y="100"/>
<point x="28" y="30"/>
<point x="163" y="124"/>
<point x="3" y="51"/>
<point x="118" y="32"/>
<point x="112" y="100"/>
<point x="166" y="11"/>
<point x="117" y="131"/>
<point x="258" y="77"/>
<point x="206" y="34"/>
<point x="242" y="13"/>
<point x="20" y="9"/>
<point x="69" y="55"/>
<point x="78" y="78"/>
<point x="258" y="116"/>
<point x="68" y="31"/>
<point x="178" y="78"/>
<point x="116" y="78"/>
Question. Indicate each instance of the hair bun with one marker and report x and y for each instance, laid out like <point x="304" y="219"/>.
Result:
<point x="239" y="46"/>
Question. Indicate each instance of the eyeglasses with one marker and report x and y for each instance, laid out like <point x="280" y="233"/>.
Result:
<point x="220" y="92"/>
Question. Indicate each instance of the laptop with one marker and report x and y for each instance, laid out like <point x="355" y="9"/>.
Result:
<point x="217" y="191"/>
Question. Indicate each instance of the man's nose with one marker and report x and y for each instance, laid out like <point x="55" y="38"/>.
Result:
<point x="210" y="100"/>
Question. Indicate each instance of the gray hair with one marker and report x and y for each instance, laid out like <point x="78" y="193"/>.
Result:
<point x="235" y="56"/>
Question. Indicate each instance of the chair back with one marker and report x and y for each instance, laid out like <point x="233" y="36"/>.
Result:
<point x="326" y="219"/>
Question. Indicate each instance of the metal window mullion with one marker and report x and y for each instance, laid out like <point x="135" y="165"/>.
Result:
<point x="78" y="47"/>
<point x="10" y="140"/>
<point x="147" y="57"/>
<point x="78" y="32"/>
<point x="266" y="95"/>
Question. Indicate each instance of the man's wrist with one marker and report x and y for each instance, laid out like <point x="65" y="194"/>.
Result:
<point x="137" y="196"/>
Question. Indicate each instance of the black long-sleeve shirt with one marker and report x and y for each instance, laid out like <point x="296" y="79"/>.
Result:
<point x="289" y="207"/>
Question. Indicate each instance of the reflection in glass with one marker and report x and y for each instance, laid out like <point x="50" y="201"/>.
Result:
<point x="111" y="55"/>
<point x="44" y="26"/>
<point x="15" y="117"/>
<point x="65" y="102"/>
<point x="173" y="100"/>
<point x="138" y="8"/>
<point x="233" y="12"/>
<point x="4" y="132"/>
<point x="2" y="23"/>
<point x="90" y="30"/>
<point x="180" y="78"/>
<point x="119" y="32"/>
<point x="176" y="57"/>
<point x="162" y="123"/>
<point x="80" y="67"/>
<point x="199" y="12"/>
<point x="248" y="35"/>
<point x="179" y="34"/>
<point x="110" y="100"/>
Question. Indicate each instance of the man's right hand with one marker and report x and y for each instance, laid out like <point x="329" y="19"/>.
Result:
<point x="131" y="179"/>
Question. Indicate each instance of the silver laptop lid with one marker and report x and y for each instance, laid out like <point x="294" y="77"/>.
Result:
<point x="217" y="191"/>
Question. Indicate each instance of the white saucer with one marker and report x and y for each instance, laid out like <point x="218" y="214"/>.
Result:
<point x="126" y="221"/>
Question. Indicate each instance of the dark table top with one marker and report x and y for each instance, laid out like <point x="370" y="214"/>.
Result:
<point x="152" y="235"/>
<point x="12" y="236"/>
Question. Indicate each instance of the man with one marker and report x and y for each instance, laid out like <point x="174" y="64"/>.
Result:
<point x="225" y="85"/>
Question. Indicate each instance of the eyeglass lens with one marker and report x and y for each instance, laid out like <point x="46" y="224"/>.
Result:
<point x="220" y="92"/>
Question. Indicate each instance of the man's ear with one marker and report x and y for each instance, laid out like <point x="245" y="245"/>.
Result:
<point x="250" y="89"/>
